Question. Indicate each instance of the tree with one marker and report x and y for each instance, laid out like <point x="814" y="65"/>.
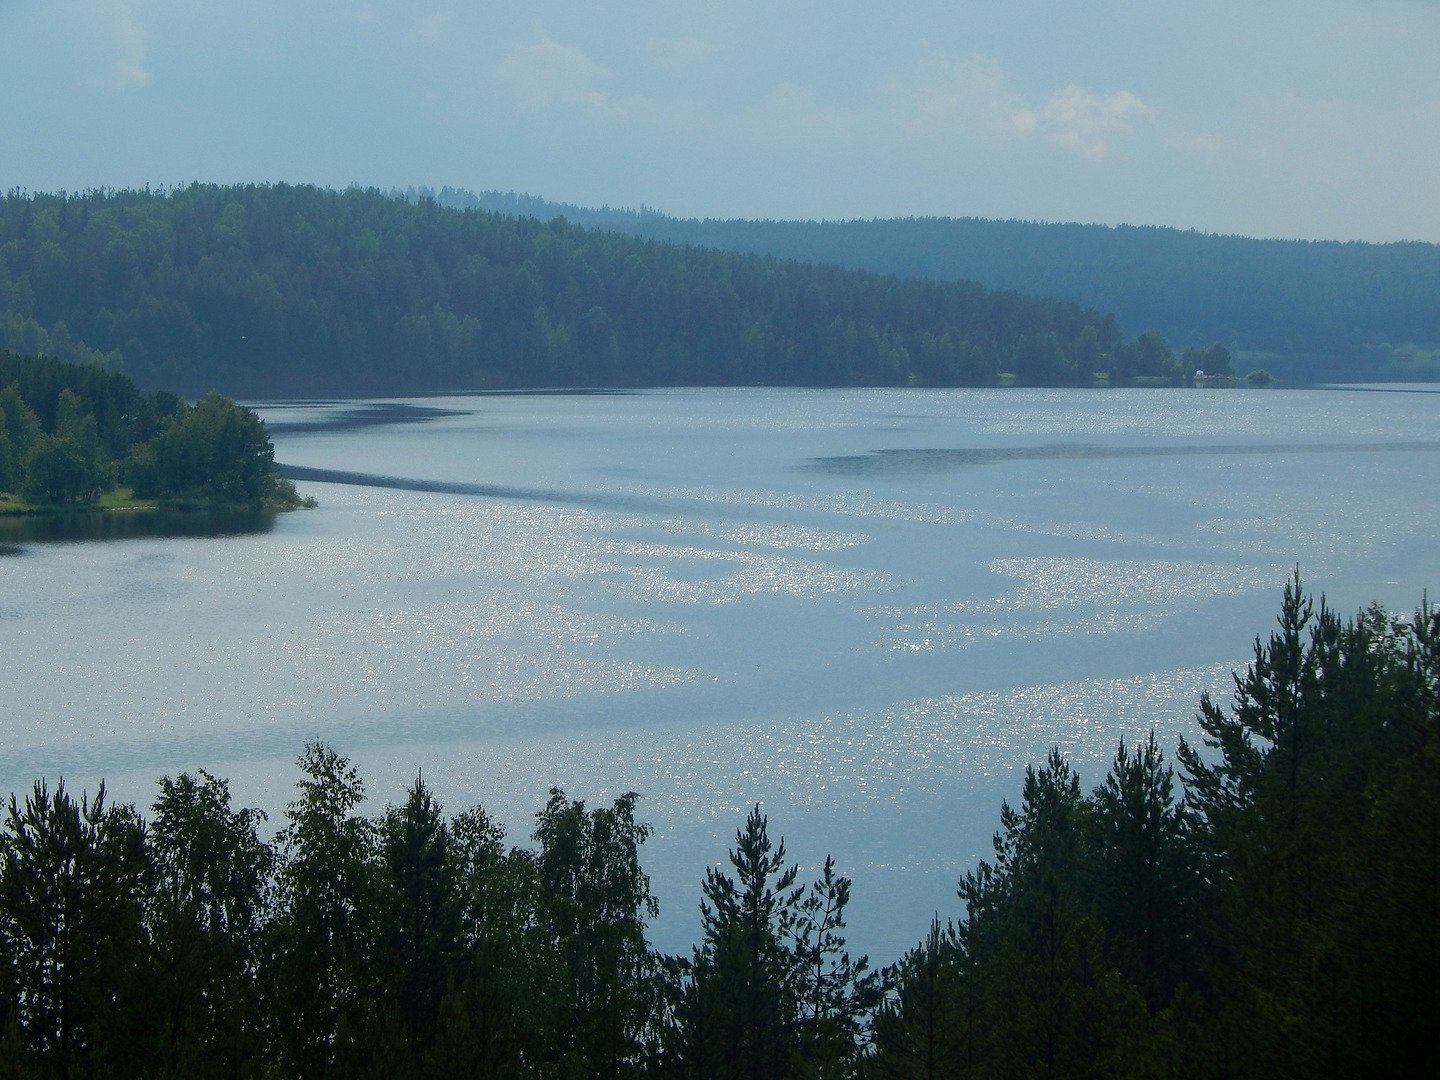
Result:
<point x="59" y="471"/>
<point x="503" y="1010"/>
<point x="9" y="465"/>
<point x="738" y="1015"/>
<point x="596" y="901"/>
<point x="21" y="424"/>
<point x="1296" y="816"/>
<point x="71" y="876"/>
<point x="1217" y="360"/>
<point x="323" y="935"/>
<point x="209" y="911"/>
<point x="1145" y="891"/>
<point x="837" y="994"/>
<point x="920" y="1031"/>
<point x="213" y="449"/>
<point x="422" y="908"/>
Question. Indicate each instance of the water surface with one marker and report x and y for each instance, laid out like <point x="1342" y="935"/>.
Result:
<point x="866" y="609"/>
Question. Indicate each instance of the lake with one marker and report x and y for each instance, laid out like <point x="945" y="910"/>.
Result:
<point x="866" y="610"/>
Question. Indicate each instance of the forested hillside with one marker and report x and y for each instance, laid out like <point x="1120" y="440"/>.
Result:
<point x="1331" y="307"/>
<point x="1272" y="915"/>
<point x="280" y="290"/>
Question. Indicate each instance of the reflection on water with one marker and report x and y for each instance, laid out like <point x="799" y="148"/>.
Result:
<point x="351" y="417"/>
<point x="128" y="525"/>
<point x="718" y="598"/>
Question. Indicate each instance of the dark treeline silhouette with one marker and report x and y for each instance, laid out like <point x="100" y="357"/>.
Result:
<point x="71" y="432"/>
<point x="1272" y="916"/>
<point x="274" y="290"/>
<point x="1334" y="307"/>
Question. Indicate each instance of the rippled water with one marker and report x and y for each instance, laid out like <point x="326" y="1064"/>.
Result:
<point x="867" y="610"/>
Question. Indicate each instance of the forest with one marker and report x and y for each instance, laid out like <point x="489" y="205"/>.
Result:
<point x="1330" y="310"/>
<point x="283" y="291"/>
<point x="1269" y="910"/>
<point x="72" y="434"/>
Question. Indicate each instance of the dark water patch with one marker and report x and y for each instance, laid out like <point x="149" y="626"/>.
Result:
<point x="582" y="391"/>
<point x="355" y="417"/>
<point x="129" y="525"/>
<point x="490" y="491"/>
<point x="10" y="549"/>
<point x="1380" y="389"/>
<point x="925" y="462"/>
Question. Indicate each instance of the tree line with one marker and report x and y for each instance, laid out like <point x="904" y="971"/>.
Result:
<point x="1273" y="917"/>
<point x="278" y="290"/>
<point x="69" y="433"/>
<point x="1336" y="307"/>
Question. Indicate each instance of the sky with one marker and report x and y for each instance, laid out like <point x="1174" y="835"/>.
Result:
<point x="1313" y="120"/>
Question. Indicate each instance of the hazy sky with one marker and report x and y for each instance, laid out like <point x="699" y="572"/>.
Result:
<point x="1315" y="119"/>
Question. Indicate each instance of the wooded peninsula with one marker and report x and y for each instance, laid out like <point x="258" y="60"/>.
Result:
<point x="1273" y="916"/>
<point x="78" y="435"/>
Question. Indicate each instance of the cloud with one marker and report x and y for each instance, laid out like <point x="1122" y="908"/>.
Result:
<point x="130" y="41"/>
<point x="1083" y="123"/>
<point x="953" y="97"/>
<point x="970" y="98"/>
<point x="548" y="75"/>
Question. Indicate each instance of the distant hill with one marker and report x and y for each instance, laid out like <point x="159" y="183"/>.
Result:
<point x="1322" y="309"/>
<point x="269" y="290"/>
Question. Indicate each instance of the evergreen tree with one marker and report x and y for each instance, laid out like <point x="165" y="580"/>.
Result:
<point x="740" y="1011"/>
<point x="71" y="877"/>
<point x="1327" y="726"/>
<point x="418" y="947"/>
<point x="323" y="936"/>
<point x="1145" y="889"/>
<point x="836" y="994"/>
<point x="920" y="1030"/>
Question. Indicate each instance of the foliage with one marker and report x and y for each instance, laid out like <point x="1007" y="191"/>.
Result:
<point x="770" y="991"/>
<point x="1344" y="303"/>
<point x="1270" y="913"/>
<point x="207" y="914"/>
<point x="69" y="432"/>
<point x="72" y="878"/>
<point x="281" y="290"/>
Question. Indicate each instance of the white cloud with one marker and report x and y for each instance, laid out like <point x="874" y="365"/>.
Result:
<point x="131" y="41"/>
<point x="958" y="97"/>
<point x="548" y="75"/>
<point x="1083" y="122"/>
<point x="970" y="98"/>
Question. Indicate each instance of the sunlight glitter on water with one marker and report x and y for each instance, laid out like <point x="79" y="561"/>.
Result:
<point x="665" y="593"/>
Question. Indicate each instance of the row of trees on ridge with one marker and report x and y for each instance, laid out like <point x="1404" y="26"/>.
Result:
<point x="267" y="291"/>
<point x="1335" y="306"/>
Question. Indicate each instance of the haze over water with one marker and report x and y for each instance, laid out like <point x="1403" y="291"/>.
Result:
<point x="866" y="609"/>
